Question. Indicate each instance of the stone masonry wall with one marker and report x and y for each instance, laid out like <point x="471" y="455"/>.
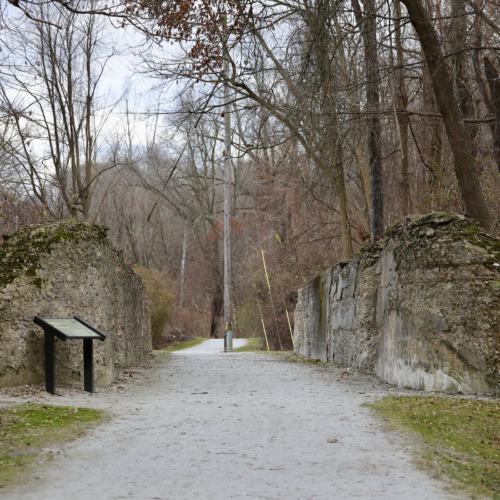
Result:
<point x="65" y="269"/>
<point x="421" y="308"/>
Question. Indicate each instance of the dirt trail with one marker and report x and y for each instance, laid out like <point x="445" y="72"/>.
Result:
<point x="234" y="426"/>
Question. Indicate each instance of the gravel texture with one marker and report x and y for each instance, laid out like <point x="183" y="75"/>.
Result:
<point x="243" y="426"/>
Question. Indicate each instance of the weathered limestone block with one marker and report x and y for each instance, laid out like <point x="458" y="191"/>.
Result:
<point x="420" y="308"/>
<point x="65" y="269"/>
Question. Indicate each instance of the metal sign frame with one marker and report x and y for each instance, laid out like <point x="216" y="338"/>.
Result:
<point x="50" y="332"/>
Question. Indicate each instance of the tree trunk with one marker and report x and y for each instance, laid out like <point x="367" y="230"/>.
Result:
<point x="403" y="119"/>
<point x="217" y="296"/>
<point x="459" y="47"/>
<point x="434" y="169"/>
<point x="362" y="172"/>
<point x="482" y="85"/>
<point x="433" y="198"/>
<point x="369" y="22"/>
<point x="345" y="226"/>
<point x="494" y="84"/>
<point x="468" y="179"/>
<point x="331" y="152"/>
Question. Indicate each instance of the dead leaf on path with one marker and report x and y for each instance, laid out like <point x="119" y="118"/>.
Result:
<point x="330" y="440"/>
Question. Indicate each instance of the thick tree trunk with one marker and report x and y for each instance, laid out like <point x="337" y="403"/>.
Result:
<point x="362" y="170"/>
<point x="403" y="120"/>
<point x="369" y="22"/>
<point x="217" y="296"/>
<point x="434" y="170"/>
<point x="459" y="46"/>
<point x="216" y="310"/>
<point x="344" y="218"/>
<point x="468" y="179"/>
<point x="433" y="198"/>
<point x="483" y="86"/>
<point x="330" y="155"/>
<point x="494" y="84"/>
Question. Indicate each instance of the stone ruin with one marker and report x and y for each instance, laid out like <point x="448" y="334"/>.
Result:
<point x="420" y="309"/>
<point x="65" y="269"/>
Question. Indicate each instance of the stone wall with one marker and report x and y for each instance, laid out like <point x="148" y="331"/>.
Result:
<point x="65" y="269"/>
<point x="421" y="309"/>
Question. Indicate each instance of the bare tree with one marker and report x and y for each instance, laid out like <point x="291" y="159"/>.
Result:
<point x="465" y="169"/>
<point x="59" y="114"/>
<point x="368" y="21"/>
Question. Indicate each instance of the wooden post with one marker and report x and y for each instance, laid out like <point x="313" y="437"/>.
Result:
<point x="228" y="291"/>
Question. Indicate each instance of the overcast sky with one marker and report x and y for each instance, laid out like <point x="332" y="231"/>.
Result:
<point x="121" y="74"/>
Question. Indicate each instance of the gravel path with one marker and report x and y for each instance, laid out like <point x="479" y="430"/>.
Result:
<point x="234" y="426"/>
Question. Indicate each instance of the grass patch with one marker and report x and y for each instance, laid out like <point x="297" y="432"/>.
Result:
<point x="179" y="346"/>
<point x="462" y="437"/>
<point x="28" y="428"/>
<point x="253" y="345"/>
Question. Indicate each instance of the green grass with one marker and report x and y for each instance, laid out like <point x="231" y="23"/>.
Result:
<point x="252" y="345"/>
<point x="28" y="428"/>
<point x="462" y="437"/>
<point x="179" y="346"/>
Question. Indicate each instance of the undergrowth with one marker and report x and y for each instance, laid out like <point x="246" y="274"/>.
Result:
<point x="462" y="437"/>
<point x="161" y="301"/>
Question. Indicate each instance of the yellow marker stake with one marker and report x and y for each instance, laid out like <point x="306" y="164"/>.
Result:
<point x="290" y="326"/>
<point x="265" y="334"/>
<point x="265" y="269"/>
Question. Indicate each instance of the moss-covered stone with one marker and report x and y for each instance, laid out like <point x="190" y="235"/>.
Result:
<point x="434" y="219"/>
<point x="64" y="269"/>
<point x="21" y="252"/>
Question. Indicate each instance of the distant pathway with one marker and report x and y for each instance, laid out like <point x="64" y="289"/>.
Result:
<point x="212" y="346"/>
<point x="234" y="426"/>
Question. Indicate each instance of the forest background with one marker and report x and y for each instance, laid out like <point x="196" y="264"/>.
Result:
<point x="345" y="117"/>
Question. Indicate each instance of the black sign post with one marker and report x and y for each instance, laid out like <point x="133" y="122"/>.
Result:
<point x="63" y="329"/>
<point x="88" y="365"/>
<point x="50" y="363"/>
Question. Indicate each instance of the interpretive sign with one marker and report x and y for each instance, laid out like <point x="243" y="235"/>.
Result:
<point x="68" y="328"/>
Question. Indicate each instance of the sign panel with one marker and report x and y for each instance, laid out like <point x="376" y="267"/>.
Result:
<point x="70" y="328"/>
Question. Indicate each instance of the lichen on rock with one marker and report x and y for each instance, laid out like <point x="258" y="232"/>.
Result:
<point x="21" y="252"/>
